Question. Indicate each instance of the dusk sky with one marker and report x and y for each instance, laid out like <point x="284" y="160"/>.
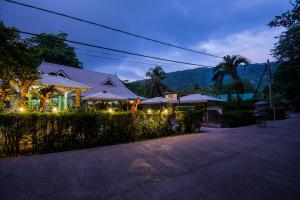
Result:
<point x="217" y="27"/>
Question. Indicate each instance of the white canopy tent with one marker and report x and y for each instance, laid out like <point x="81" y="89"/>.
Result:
<point x="199" y="98"/>
<point x="155" y="100"/>
<point x="158" y="100"/>
<point x="212" y="115"/>
<point x="104" y="96"/>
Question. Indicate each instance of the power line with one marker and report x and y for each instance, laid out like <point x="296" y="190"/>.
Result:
<point x="125" y="58"/>
<point x="111" y="28"/>
<point x="132" y="60"/>
<point x="115" y="50"/>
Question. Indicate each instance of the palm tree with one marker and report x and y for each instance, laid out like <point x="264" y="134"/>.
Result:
<point x="156" y="74"/>
<point x="43" y="94"/>
<point x="25" y="77"/>
<point x="229" y="67"/>
<point x="7" y="93"/>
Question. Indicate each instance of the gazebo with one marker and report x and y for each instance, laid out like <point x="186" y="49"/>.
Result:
<point x="212" y="115"/>
<point x="104" y="97"/>
<point x="155" y="100"/>
<point x="159" y="101"/>
<point x="199" y="98"/>
<point x="64" y="86"/>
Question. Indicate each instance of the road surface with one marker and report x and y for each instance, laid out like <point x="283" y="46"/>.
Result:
<point x="242" y="163"/>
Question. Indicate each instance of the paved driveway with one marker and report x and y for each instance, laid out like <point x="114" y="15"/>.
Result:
<point x="242" y="163"/>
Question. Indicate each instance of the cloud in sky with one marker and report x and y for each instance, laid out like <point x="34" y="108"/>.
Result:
<point x="216" y="26"/>
<point x="255" y="45"/>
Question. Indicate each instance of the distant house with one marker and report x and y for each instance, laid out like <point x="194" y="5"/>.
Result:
<point x="97" y="81"/>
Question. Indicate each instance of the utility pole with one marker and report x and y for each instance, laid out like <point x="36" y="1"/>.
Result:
<point x="260" y="80"/>
<point x="270" y="90"/>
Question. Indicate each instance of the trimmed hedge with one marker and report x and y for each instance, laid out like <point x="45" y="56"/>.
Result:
<point x="47" y="132"/>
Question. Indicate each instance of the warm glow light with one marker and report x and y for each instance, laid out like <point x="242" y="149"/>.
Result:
<point x="131" y="101"/>
<point x="166" y="111"/>
<point x="54" y="109"/>
<point x="21" y="109"/>
<point x="149" y="111"/>
<point x="110" y="110"/>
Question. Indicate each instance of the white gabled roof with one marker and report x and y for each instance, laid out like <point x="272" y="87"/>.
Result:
<point x="104" y="96"/>
<point x="198" y="98"/>
<point x="54" y="80"/>
<point x="94" y="80"/>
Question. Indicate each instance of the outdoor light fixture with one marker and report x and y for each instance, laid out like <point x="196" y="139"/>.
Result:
<point x="110" y="110"/>
<point x="54" y="109"/>
<point x="131" y="102"/>
<point x="149" y="111"/>
<point x="21" y="109"/>
<point x="166" y="111"/>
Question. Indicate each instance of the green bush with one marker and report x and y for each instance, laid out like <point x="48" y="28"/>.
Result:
<point x="279" y="113"/>
<point x="238" y="118"/>
<point x="49" y="132"/>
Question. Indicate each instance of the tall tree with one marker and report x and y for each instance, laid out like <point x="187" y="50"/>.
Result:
<point x="156" y="74"/>
<point x="229" y="67"/>
<point x="54" y="49"/>
<point x="287" y="53"/>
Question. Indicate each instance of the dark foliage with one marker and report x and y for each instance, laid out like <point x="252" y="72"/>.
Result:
<point x="287" y="52"/>
<point x="244" y="116"/>
<point x="54" y="49"/>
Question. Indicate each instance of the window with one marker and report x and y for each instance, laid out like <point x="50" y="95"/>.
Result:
<point x="108" y="82"/>
<point x="62" y="74"/>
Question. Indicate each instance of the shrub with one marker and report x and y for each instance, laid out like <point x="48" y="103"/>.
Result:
<point x="279" y="113"/>
<point x="238" y="118"/>
<point x="48" y="132"/>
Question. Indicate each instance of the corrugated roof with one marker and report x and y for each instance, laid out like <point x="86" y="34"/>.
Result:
<point x="95" y="80"/>
<point x="61" y="81"/>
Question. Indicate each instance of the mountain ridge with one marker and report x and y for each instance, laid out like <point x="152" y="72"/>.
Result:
<point x="202" y="76"/>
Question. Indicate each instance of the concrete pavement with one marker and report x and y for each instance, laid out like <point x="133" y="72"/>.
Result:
<point x="242" y="163"/>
